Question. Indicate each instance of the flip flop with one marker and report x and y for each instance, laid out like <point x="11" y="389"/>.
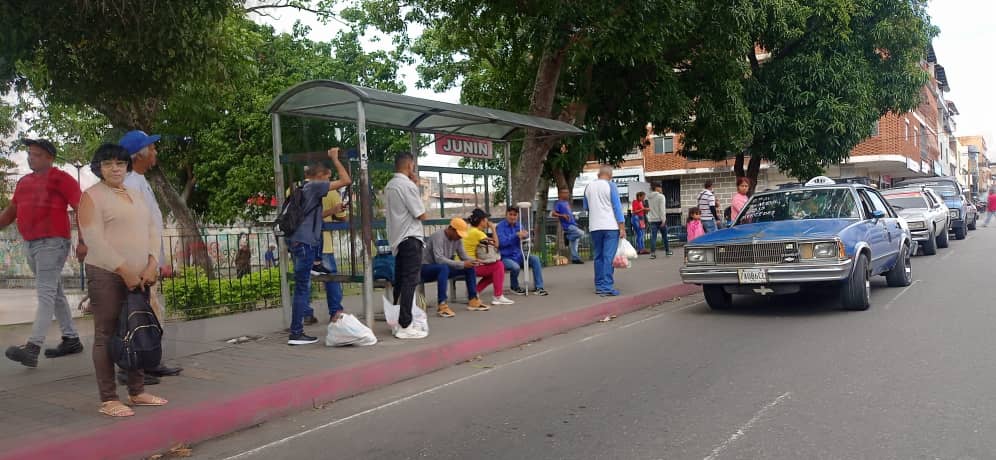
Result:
<point x="154" y="400"/>
<point x="115" y="409"/>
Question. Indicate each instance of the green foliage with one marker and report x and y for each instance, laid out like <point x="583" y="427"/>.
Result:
<point x="195" y="296"/>
<point x="828" y="71"/>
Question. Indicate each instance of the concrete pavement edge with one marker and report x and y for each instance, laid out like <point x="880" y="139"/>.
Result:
<point x="151" y="433"/>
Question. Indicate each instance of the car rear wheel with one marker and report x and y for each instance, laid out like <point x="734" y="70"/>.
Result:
<point x="929" y="246"/>
<point x="902" y="273"/>
<point x="960" y="232"/>
<point x="942" y="238"/>
<point x="717" y="297"/>
<point x="855" y="294"/>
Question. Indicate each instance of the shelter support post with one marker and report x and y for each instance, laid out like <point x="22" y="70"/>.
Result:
<point x="508" y="170"/>
<point x="366" y="214"/>
<point x="278" y="174"/>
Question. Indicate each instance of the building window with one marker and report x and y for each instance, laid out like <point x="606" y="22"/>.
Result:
<point x="875" y="128"/>
<point x="663" y="145"/>
<point x="672" y="192"/>
<point x="924" y="142"/>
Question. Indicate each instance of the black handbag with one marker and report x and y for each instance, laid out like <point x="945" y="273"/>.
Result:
<point x="137" y="345"/>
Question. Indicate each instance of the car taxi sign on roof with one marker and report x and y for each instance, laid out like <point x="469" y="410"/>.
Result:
<point x="820" y="180"/>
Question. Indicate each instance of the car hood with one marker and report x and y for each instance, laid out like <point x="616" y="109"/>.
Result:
<point x="786" y="229"/>
<point x="912" y="214"/>
<point x="953" y="203"/>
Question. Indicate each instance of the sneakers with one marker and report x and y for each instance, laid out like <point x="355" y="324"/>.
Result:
<point x="502" y="300"/>
<point x="301" y="339"/>
<point x="26" y="354"/>
<point x="577" y="262"/>
<point x="609" y="293"/>
<point x="670" y="253"/>
<point x="410" y="333"/>
<point x="540" y="292"/>
<point x="653" y="256"/>
<point x="518" y="291"/>
<point x="68" y="346"/>
<point x="475" y="304"/>
<point x="319" y="270"/>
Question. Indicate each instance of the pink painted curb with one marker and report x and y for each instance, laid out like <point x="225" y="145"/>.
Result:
<point x="158" y="432"/>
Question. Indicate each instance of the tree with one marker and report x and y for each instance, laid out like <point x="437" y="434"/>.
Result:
<point x="798" y="83"/>
<point x="604" y="66"/>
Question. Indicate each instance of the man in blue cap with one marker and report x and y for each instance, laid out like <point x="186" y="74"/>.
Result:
<point x="142" y="148"/>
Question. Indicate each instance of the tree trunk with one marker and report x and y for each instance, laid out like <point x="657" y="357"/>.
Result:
<point x="753" y="170"/>
<point x="542" y="214"/>
<point x="538" y="143"/>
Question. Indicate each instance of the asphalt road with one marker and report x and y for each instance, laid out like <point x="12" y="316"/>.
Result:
<point x="789" y="378"/>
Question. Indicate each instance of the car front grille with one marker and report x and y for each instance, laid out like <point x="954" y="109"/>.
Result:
<point x="759" y="253"/>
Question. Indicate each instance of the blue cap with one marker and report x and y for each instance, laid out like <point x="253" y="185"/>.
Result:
<point x="133" y="141"/>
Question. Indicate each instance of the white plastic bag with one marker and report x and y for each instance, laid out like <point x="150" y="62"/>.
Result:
<point x="626" y="249"/>
<point x="349" y="331"/>
<point x="392" y="313"/>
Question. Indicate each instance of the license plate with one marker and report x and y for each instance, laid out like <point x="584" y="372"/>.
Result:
<point x="753" y="275"/>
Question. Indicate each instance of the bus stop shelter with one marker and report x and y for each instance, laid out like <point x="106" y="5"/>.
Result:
<point x="342" y="102"/>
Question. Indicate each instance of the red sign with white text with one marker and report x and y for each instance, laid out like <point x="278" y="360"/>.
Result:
<point x="463" y="146"/>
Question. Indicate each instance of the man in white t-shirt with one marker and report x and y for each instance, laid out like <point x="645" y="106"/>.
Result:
<point x="142" y="148"/>
<point x="606" y="225"/>
<point x="707" y="206"/>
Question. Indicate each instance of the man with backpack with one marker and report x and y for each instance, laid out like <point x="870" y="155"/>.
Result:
<point x="301" y="221"/>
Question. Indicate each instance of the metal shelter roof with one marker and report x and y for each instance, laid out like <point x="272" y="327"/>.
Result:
<point x="335" y="100"/>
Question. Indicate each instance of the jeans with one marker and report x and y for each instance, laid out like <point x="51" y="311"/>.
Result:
<point x="333" y="290"/>
<point x="638" y="233"/>
<point x="515" y="266"/>
<point x="46" y="257"/>
<point x="304" y="258"/>
<point x="989" y="216"/>
<point x="708" y="226"/>
<point x="655" y="228"/>
<point x="493" y="273"/>
<point x="407" y="265"/>
<point x="573" y="235"/>
<point x="440" y="273"/>
<point x="107" y="294"/>
<point x="604" y="245"/>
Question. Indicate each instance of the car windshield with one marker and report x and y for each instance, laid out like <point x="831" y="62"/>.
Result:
<point x="800" y="204"/>
<point x="906" y="201"/>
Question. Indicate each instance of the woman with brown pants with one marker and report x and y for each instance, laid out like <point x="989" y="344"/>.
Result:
<point x="123" y="246"/>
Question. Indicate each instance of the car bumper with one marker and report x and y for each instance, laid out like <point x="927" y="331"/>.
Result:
<point x="795" y="273"/>
<point x="920" y="235"/>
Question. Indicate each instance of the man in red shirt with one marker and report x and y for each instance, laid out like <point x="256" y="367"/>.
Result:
<point x="39" y="207"/>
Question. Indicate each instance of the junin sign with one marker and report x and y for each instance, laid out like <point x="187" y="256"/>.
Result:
<point x="462" y="146"/>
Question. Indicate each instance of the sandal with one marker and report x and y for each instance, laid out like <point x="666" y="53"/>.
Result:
<point x="475" y="304"/>
<point x="147" y="400"/>
<point x="445" y="311"/>
<point x="115" y="409"/>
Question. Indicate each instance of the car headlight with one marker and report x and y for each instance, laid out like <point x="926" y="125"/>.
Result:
<point x="699" y="255"/>
<point x="917" y="225"/>
<point x="825" y="251"/>
<point x="954" y="213"/>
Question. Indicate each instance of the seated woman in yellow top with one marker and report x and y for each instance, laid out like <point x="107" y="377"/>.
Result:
<point x="491" y="271"/>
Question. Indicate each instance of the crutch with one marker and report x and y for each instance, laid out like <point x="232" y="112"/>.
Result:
<point x="525" y="245"/>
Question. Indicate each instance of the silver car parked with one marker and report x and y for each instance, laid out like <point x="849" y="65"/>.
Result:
<point x="925" y="213"/>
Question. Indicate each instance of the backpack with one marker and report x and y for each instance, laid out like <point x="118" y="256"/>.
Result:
<point x="138" y="341"/>
<point x="292" y="214"/>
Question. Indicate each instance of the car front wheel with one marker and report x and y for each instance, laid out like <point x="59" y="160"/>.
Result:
<point x="717" y="297"/>
<point x="929" y="246"/>
<point x="855" y="293"/>
<point x="960" y="232"/>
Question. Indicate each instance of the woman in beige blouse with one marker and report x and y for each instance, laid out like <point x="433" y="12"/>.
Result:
<point x="123" y="246"/>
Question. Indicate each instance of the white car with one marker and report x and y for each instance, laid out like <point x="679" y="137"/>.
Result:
<point x="925" y="213"/>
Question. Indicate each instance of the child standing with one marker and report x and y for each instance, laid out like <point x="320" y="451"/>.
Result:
<point x="740" y="198"/>
<point x="694" y="224"/>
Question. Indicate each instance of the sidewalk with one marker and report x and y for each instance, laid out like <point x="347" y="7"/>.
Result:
<point x="51" y="411"/>
<point x="17" y="306"/>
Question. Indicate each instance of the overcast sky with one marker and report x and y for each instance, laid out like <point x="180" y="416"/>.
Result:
<point x="966" y="47"/>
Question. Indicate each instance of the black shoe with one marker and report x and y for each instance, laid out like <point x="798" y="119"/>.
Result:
<point x="540" y="292"/>
<point x="653" y="256"/>
<point x="68" y="346"/>
<point x="163" y="371"/>
<point x="26" y="354"/>
<point x="148" y="380"/>
<point x="301" y="339"/>
<point x="518" y="290"/>
<point x="319" y="270"/>
<point x="577" y="262"/>
<point x="311" y="320"/>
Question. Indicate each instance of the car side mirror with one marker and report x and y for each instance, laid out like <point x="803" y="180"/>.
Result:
<point x="878" y="214"/>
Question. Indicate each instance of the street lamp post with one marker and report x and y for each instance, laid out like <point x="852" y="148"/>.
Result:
<point x="79" y="165"/>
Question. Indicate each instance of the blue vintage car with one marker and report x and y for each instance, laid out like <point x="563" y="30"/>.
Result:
<point x="822" y="233"/>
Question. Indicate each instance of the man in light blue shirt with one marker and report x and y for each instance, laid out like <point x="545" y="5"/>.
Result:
<point x="607" y="227"/>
